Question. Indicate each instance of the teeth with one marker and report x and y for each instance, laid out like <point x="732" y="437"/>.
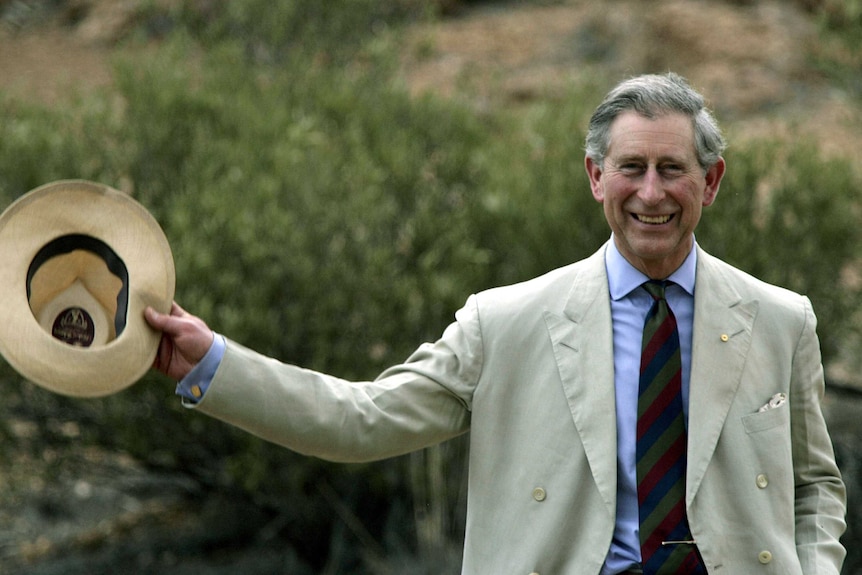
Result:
<point x="653" y="219"/>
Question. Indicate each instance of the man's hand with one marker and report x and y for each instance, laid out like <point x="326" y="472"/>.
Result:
<point x="185" y="340"/>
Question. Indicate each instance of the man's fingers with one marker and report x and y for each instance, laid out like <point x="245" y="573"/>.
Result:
<point x="162" y="321"/>
<point x="185" y="340"/>
<point x="176" y="310"/>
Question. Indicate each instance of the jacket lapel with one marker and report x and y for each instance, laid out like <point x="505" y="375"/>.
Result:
<point x="583" y="348"/>
<point x="582" y="341"/>
<point x="721" y="338"/>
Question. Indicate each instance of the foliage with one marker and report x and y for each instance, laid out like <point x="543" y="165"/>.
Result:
<point x="310" y="206"/>
<point x="838" y="51"/>
<point x="791" y="217"/>
<point x="273" y="33"/>
<point x="321" y="215"/>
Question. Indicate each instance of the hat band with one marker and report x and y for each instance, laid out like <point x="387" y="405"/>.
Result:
<point x="69" y="243"/>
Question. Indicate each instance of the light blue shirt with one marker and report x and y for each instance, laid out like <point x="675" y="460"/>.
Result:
<point x="629" y="306"/>
<point x="194" y="385"/>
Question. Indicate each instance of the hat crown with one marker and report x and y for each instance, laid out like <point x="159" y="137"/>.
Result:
<point x="77" y="258"/>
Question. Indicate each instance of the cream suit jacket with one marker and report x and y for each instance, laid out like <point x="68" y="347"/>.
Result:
<point x="528" y="370"/>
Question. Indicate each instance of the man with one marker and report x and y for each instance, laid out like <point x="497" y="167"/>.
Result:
<point x="549" y="377"/>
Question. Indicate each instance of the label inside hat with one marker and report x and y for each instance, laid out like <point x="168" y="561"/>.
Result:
<point x="75" y="317"/>
<point x="74" y="326"/>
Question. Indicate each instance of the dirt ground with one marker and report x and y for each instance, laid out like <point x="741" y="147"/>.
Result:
<point x="753" y="60"/>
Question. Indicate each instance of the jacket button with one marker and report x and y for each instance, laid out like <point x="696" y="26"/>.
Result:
<point x="539" y="495"/>
<point x="764" y="557"/>
<point x="762" y="481"/>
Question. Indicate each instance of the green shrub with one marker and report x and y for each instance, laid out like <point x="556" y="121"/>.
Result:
<point x="791" y="217"/>
<point x="314" y="210"/>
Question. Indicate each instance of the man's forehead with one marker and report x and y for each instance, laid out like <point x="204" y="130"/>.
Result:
<point x="635" y="134"/>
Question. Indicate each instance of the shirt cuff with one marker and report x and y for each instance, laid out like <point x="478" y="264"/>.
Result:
<point x="194" y="385"/>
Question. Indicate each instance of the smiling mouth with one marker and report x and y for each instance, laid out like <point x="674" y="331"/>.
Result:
<point x="655" y="220"/>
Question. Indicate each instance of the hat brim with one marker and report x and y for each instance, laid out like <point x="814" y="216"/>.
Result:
<point x="77" y="207"/>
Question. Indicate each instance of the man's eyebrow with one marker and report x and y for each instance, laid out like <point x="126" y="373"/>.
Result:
<point x="628" y="157"/>
<point x="637" y="157"/>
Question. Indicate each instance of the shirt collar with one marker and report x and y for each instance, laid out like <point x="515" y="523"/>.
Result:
<point x="623" y="277"/>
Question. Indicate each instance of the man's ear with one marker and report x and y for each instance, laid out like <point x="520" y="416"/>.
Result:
<point x="713" y="181"/>
<point x="594" y="172"/>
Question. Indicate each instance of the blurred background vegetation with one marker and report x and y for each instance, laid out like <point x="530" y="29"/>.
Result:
<point x="321" y="213"/>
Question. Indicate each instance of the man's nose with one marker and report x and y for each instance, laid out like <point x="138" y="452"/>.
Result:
<point x="651" y="191"/>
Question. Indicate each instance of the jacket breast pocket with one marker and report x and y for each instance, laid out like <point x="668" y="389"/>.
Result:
<point x="763" y="420"/>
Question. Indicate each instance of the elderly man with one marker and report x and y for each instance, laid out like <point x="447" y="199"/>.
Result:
<point x="649" y="409"/>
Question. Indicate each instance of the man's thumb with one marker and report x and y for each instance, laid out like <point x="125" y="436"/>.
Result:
<point x="155" y="319"/>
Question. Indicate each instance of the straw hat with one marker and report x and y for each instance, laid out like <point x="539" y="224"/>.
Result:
<point x="79" y="262"/>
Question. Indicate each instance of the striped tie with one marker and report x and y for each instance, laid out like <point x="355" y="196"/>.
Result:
<point x="661" y="446"/>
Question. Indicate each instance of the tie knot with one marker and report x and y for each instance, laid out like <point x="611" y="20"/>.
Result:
<point x="656" y="288"/>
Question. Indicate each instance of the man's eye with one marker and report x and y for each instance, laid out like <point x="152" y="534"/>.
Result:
<point x="631" y="168"/>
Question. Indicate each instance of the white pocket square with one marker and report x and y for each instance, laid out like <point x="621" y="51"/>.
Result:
<point x="775" y="401"/>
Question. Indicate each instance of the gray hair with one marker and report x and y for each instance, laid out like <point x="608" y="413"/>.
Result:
<point x="654" y="95"/>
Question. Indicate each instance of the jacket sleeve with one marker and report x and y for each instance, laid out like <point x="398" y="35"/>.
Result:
<point x="820" y="499"/>
<point x="423" y="401"/>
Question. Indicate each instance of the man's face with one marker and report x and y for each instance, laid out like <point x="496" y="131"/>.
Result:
<point x="653" y="189"/>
